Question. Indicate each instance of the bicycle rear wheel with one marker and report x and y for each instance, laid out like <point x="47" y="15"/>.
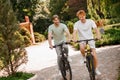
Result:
<point x="65" y="70"/>
<point x="90" y="66"/>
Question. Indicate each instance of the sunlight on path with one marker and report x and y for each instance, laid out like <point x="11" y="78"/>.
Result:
<point x="41" y="56"/>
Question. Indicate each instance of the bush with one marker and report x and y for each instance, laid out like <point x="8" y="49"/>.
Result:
<point x="26" y="36"/>
<point x="41" y="25"/>
<point x="39" y="37"/>
<point x="70" y="26"/>
<point x="111" y="37"/>
<point x="12" y="52"/>
<point x="113" y="21"/>
<point x="18" y="76"/>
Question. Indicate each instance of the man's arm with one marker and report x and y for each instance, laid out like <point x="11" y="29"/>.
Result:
<point x="50" y="40"/>
<point x="98" y="35"/>
<point x="74" y="35"/>
<point x="68" y="35"/>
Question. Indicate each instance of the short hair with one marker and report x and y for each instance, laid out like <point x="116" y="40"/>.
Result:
<point x="55" y="16"/>
<point x="80" y="12"/>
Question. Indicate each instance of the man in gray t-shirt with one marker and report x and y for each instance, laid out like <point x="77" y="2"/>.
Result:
<point x="57" y="30"/>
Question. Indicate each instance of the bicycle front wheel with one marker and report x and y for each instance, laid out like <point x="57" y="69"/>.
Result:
<point x="65" y="70"/>
<point x="90" y="66"/>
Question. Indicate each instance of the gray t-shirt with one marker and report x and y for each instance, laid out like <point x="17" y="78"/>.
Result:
<point x="58" y="32"/>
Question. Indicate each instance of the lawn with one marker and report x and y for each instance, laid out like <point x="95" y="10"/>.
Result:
<point x="18" y="76"/>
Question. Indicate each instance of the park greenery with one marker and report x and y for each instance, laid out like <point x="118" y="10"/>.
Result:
<point x="12" y="43"/>
<point x="13" y="39"/>
<point x="18" y="76"/>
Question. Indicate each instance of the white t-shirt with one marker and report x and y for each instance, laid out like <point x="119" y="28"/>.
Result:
<point x="85" y="29"/>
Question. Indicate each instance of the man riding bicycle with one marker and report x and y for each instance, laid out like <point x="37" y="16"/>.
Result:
<point x="57" y="30"/>
<point x="84" y="29"/>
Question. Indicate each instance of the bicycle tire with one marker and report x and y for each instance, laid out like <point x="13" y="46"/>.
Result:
<point x="68" y="71"/>
<point x="90" y="66"/>
<point x="65" y="69"/>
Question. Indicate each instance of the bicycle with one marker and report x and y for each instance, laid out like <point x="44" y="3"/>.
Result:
<point x="64" y="66"/>
<point x="89" y="60"/>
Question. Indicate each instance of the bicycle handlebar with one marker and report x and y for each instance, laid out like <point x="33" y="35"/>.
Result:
<point x="86" y="40"/>
<point x="73" y="41"/>
<point x="61" y="44"/>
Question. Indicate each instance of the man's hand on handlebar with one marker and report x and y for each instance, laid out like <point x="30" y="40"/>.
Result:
<point x="51" y="46"/>
<point x="98" y="37"/>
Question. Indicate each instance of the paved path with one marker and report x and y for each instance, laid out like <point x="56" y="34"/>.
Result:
<point x="42" y="62"/>
<point x="41" y="56"/>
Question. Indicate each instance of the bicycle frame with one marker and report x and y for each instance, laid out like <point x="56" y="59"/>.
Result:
<point x="89" y="60"/>
<point x="64" y="56"/>
<point x="64" y="66"/>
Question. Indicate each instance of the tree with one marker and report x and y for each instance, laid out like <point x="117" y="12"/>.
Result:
<point x="12" y="53"/>
<point x="75" y="5"/>
<point x="115" y="12"/>
<point x="103" y="8"/>
<point x="41" y="17"/>
<point x="57" y="7"/>
<point x="24" y="8"/>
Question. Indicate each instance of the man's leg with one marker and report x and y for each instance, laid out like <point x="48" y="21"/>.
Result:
<point x="58" y="51"/>
<point x="82" y="48"/>
<point x="92" y="46"/>
<point x="95" y="57"/>
<point x="67" y="51"/>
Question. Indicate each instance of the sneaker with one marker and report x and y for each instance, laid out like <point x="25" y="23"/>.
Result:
<point x="97" y="72"/>
<point x="69" y="59"/>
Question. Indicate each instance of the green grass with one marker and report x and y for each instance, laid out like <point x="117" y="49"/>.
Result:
<point x="18" y="76"/>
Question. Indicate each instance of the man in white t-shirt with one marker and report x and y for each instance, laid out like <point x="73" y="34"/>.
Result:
<point x="84" y="29"/>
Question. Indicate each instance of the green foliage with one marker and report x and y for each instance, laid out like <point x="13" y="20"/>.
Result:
<point x="39" y="37"/>
<point x="24" y="8"/>
<point x="12" y="52"/>
<point x="70" y="26"/>
<point x="93" y="10"/>
<point x="41" y="9"/>
<point x="41" y="17"/>
<point x="113" y="21"/>
<point x="26" y="36"/>
<point x="74" y="6"/>
<point x="58" y="7"/>
<point x="18" y="76"/>
<point x="105" y="8"/>
<point x="111" y="37"/>
<point x="41" y="25"/>
<point x="116" y="10"/>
